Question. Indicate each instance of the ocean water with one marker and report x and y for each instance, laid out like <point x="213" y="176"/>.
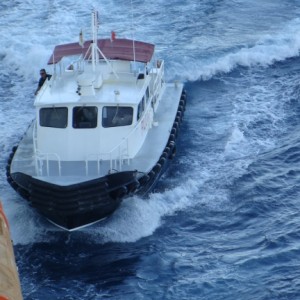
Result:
<point x="224" y="221"/>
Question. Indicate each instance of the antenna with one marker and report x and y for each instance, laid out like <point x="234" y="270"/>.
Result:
<point x="95" y="56"/>
<point x="133" y="43"/>
<point x="95" y="50"/>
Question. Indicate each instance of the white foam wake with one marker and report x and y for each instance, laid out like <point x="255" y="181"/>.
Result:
<point x="268" y="50"/>
<point x="138" y="218"/>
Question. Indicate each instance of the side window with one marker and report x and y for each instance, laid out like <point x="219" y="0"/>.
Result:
<point x="85" y="117"/>
<point x="141" y="108"/>
<point x="147" y="93"/>
<point x="56" y="117"/>
<point x="113" y="116"/>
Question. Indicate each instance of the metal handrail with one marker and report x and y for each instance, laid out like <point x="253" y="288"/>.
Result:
<point x="99" y="157"/>
<point x="46" y="156"/>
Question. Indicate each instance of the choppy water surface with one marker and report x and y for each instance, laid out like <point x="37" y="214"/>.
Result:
<point x="223" y="222"/>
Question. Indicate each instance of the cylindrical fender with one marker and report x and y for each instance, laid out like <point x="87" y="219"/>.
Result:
<point x="144" y="179"/>
<point x="164" y="155"/>
<point x="173" y="152"/>
<point x="156" y="169"/>
<point x="172" y="137"/>
<point x="182" y="102"/>
<point x="162" y="161"/>
<point x="174" y="131"/>
<point x="175" y="125"/>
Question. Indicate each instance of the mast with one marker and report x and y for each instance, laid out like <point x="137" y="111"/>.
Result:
<point x="95" y="50"/>
<point x="95" y="55"/>
<point x="133" y="43"/>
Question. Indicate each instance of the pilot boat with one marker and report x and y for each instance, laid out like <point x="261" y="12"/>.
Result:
<point x="105" y="129"/>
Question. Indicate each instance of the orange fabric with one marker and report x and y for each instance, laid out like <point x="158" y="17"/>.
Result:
<point x="4" y="217"/>
<point x="10" y="288"/>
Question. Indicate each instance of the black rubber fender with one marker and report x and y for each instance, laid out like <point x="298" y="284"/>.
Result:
<point x="175" y="125"/>
<point x="157" y="168"/>
<point x="162" y="161"/>
<point x="119" y="193"/>
<point x="173" y="154"/>
<point x="171" y="144"/>
<point x="164" y="155"/>
<point x="143" y="180"/>
<point x="132" y="187"/>
<point x="174" y="131"/>
<point x="151" y="174"/>
<point x="182" y="102"/>
<point x="167" y="150"/>
<point x="172" y="137"/>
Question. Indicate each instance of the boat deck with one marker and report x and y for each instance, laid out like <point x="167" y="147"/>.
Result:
<point x="63" y="89"/>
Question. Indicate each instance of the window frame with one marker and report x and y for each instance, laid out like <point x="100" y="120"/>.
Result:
<point x="86" y="121"/>
<point x="108" y="123"/>
<point x="45" y="120"/>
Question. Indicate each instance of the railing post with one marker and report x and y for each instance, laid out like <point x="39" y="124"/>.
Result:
<point x="98" y="164"/>
<point x="86" y="167"/>
<point x="120" y="159"/>
<point x="110" y="162"/>
<point x="59" y="168"/>
<point x="47" y="164"/>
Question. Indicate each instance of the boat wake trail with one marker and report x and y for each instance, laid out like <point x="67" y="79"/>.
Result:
<point x="138" y="218"/>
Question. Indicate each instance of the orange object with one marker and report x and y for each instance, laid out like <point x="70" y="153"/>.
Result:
<point x="10" y="288"/>
<point x="3" y="216"/>
<point x="113" y="36"/>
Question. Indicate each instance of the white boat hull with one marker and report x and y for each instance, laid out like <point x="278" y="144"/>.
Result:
<point x="73" y="202"/>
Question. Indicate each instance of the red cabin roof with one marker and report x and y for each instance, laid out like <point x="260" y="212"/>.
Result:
<point x="119" y="49"/>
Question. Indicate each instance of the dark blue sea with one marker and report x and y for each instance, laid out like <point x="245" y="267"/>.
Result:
<point x="224" y="221"/>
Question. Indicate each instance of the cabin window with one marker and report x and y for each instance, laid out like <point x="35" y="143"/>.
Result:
<point x="85" y="117"/>
<point x="147" y="93"/>
<point x="113" y="116"/>
<point x="56" y="117"/>
<point x="141" y="108"/>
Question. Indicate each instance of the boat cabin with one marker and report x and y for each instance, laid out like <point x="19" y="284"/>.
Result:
<point x="101" y="105"/>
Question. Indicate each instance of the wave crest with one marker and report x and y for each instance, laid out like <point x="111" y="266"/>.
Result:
<point x="268" y="50"/>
